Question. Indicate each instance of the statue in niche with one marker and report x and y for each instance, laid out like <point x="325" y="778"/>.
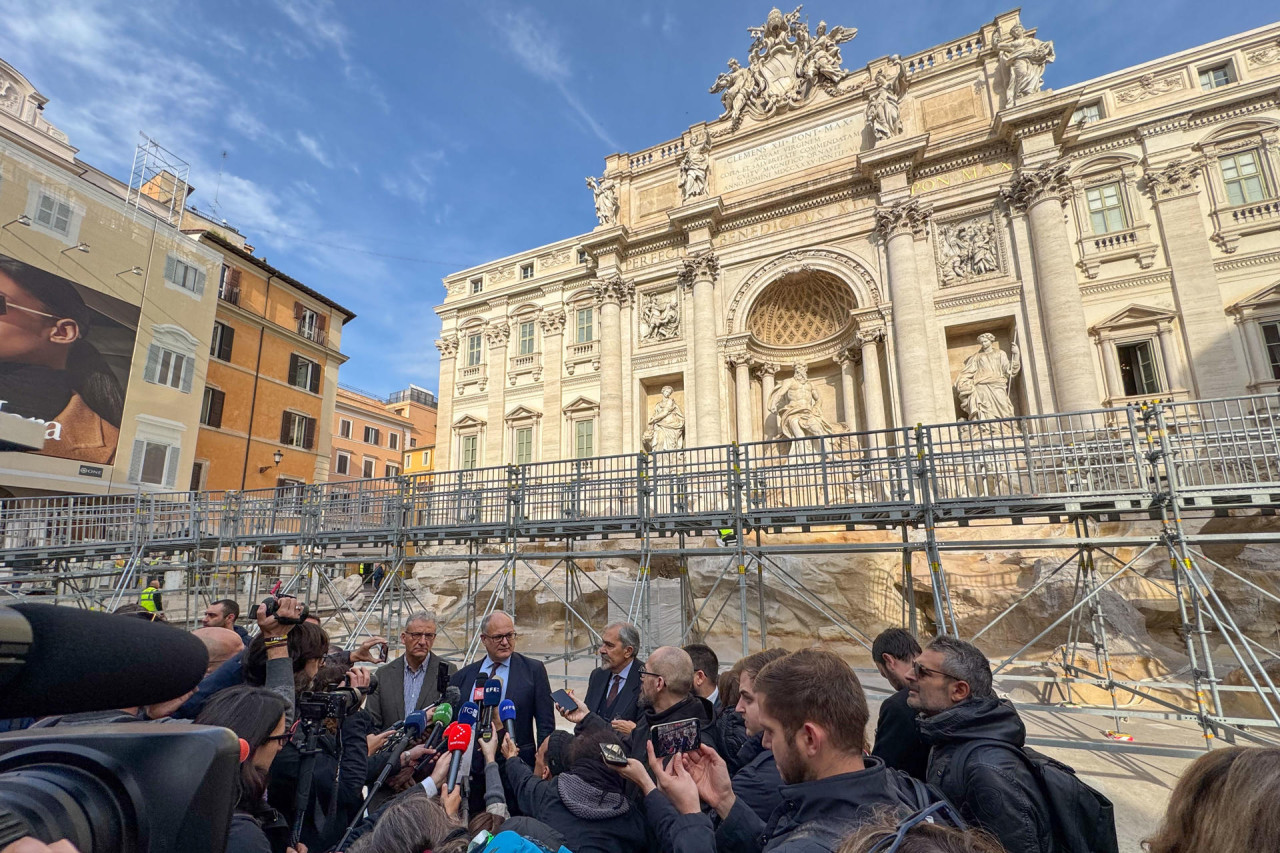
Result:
<point x="798" y="407"/>
<point x="822" y="59"/>
<point x="737" y="84"/>
<point x="666" y="425"/>
<point x="606" y="194"/>
<point x="660" y="318"/>
<point x="985" y="381"/>
<point x="693" y="171"/>
<point x="968" y="250"/>
<point x="883" y="111"/>
<point x="1024" y="58"/>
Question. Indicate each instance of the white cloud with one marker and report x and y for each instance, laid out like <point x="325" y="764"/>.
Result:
<point x="415" y="181"/>
<point x="312" y="146"/>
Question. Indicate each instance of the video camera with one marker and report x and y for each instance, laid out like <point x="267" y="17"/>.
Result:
<point x="272" y="605"/>
<point x="151" y="788"/>
<point x="337" y="703"/>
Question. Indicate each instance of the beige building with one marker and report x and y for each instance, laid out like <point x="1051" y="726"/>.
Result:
<point x="866" y="225"/>
<point x="108" y="310"/>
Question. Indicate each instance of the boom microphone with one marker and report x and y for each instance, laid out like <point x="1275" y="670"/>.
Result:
<point x="59" y="660"/>
<point x="458" y="736"/>
<point x="492" y="696"/>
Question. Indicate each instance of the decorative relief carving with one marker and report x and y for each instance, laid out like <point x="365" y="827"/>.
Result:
<point x="871" y="335"/>
<point x="448" y="346"/>
<point x="660" y="316"/>
<point x="766" y="368"/>
<point x="497" y="334"/>
<point x="801" y="259"/>
<point x="605" y="191"/>
<point x="1150" y="86"/>
<point x="554" y="259"/>
<point x="10" y="95"/>
<point x="968" y="250"/>
<point x="1023" y="58"/>
<point x="700" y="266"/>
<point x="507" y="273"/>
<point x="801" y="308"/>
<point x="615" y="289"/>
<point x="1264" y="55"/>
<point x="1032" y="185"/>
<point x="1175" y="180"/>
<point x="909" y="216"/>
<point x="552" y="322"/>
<point x="785" y="64"/>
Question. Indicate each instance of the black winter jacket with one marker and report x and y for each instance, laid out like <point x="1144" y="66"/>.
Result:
<point x="758" y="782"/>
<point x="590" y="820"/>
<point x="994" y="788"/>
<point x="319" y="831"/>
<point x="898" y="739"/>
<point x="815" y="817"/>
<point x="691" y="707"/>
<point x="728" y="734"/>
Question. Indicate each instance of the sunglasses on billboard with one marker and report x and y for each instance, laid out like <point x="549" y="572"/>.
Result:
<point x="6" y="305"/>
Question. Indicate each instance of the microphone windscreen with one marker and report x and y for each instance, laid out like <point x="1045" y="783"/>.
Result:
<point x="442" y="714"/>
<point x="492" y="692"/>
<point x="453" y="696"/>
<point x="469" y="714"/>
<point x="417" y="721"/>
<point x="458" y="736"/>
<point x="507" y="710"/>
<point x="85" y="661"/>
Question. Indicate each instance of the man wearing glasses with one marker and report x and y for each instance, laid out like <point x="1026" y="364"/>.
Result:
<point x="414" y="681"/>
<point x="524" y="682"/>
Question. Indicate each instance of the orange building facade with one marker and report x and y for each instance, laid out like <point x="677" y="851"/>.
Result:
<point x="369" y="439"/>
<point x="273" y="375"/>
<point x="419" y="406"/>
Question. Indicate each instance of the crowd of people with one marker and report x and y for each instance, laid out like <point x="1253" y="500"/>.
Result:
<point x="666" y="753"/>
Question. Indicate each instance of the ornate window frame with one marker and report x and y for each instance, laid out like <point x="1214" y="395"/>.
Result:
<point x="522" y="417"/>
<point x="471" y="374"/>
<point x="469" y="426"/>
<point x="1137" y="324"/>
<point x="577" y="355"/>
<point x="1262" y="306"/>
<point x="530" y="364"/>
<point x="581" y="409"/>
<point x="1133" y="241"/>
<point x="1231" y="222"/>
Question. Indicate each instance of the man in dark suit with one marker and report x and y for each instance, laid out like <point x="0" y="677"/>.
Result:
<point x="412" y="682"/>
<point x="524" y="682"/>
<point x="898" y="740"/>
<point x="613" y="692"/>
<point x="706" y="674"/>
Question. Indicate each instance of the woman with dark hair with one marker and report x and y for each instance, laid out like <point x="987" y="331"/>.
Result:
<point x="308" y="644"/>
<point x="48" y="369"/>
<point x="256" y="716"/>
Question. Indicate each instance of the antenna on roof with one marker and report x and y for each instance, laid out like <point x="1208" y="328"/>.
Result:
<point x="218" y="187"/>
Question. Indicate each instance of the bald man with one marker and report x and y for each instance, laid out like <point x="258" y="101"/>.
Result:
<point x="222" y="643"/>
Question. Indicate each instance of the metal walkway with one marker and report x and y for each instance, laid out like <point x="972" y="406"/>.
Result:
<point x="1164" y="464"/>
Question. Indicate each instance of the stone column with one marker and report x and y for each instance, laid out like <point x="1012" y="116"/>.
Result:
<point x="1111" y="367"/>
<point x="872" y="389"/>
<point x="1214" y="368"/>
<point x="848" y="407"/>
<point x="766" y="373"/>
<point x="497" y="334"/>
<point x="742" y="394"/>
<point x="610" y="293"/>
<point x="1169" y="354"/>
<point x="699" y="272"/>
<point x="1041" y="193"/>
<point x="900" y="225"/>
<point x="1259" y="362"/>
<point x="448" y="346"/>
<point x="552" y="324"/>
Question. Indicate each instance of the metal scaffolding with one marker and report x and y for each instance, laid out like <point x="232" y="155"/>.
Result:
<point x="1165" y="467"/>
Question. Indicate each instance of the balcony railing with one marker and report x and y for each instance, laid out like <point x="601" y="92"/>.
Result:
<point x="312" y="332"/>
<point x="229" y="293"/>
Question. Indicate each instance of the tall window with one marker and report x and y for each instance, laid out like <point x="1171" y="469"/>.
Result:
<point x="297" y="430"/>
<point x="220" y="346"/>
<point x="584" y="439"/>
<point x="304" y="373"/>
<point x="393" y="440"/>
<point x="372" y="435"/>
<point x="1242" y="177"/>
<point x="154" y="463"/>
<point x="524" y="445"/>
<point x="211" y="407"/>
<point x="470" y="450"/>
<point x="344" y="428"/>
<point x="1137" y="368"/>
<point x="166" y="367"/>
<point x="229" y="285"/>
<point x="393" y="470"/>
<point x="526" y="338"/>
<point x="54" y="215"/>
<point x="473" y="350"/>
<point x="1271" y="338"/>
<point x="1218" y="75"/>
<point x="586" y="325"/>
<point x="343" y="463"/>
<point x="366" y="468"/>
<point x="311" y="325"/>
<point x="181" y="274"/>
<point x="1106" y="208"/>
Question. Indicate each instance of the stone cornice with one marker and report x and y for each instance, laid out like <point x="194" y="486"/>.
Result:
<point x="1117" y="284"/>
<point x="1246" y="262"/>
<point x="1030" y="186"/>
<point x="605" y="241"/>
<point x="700" y="266"/>
<point x="893" y="159"/>
<point x="705" y="213"/>
<point x="973" y="157"/>
<point x="909" y="216"/>
<point x="1047" y="113"/>
<point x="1001" y="294"/>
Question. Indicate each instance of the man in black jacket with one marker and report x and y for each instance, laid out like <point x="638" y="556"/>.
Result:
<point x="814" y="716"/>
<point x="898" y="739"/>
<point x="965" y="723"/>
<point x="613" y="691"/>
<point x="757" y="781"/>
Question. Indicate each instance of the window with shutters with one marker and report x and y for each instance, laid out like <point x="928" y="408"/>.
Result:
<point x="1271" y="340"/>
<point x="372" y="435"/>
<point x="393" y="440"/>
<point x="54" y="214"/>
<point x="584" y="435"/>
<point x="220" y="346"/>
<point x="297" y="430"/>
<point x="171" y="357"/>
<point x="229" y="285"/>
<point x="311" y="325"/>
<point x="393" y="470"/>
<point x="198" y="470"/>
<point x="180" y="274"/>
<point x="342" y="464"/>
<point x="524" y="445"/>
<point x="366" y="468"/>
<point x="470" y="451"/>
<point x="304" y="373"/>
<point x="1138" y="368"/>
<point x="211" y="408"/>
<point x="344" y="428"/>
<point x="154" y="463"/>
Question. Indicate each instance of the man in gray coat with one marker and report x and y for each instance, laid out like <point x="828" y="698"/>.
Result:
<point x="413" y="681"/>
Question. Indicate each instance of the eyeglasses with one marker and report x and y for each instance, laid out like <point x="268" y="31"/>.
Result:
<point x="283" y="738"/>
<point x="415" y="636"/>
<point x="925" y="672"/>
<point x="891" y="843"/>
<point x="500" y="639"/>
<point x="5" y="305"/>
<point x="645" y="672"/>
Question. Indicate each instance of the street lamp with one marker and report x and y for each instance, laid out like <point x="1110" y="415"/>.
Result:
<point x="278" y="457"/>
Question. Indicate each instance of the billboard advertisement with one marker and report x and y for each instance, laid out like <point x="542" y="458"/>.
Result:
<point x="65" y="352"/>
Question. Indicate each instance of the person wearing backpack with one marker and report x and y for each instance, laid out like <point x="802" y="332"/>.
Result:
<point x="976" y="758"/>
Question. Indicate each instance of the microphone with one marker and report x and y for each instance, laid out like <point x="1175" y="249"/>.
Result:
<point x="441" y="717"/>
<point x="415" y="723"/>
<point x="507" y="711"/>
<point x="492" y="697"/>
<point x="469" y="713"/>
<point x="477" y="690"/>
<point x="458" y="736"/>
<point x="453" y="696"/>
<point x="60" y="660"/>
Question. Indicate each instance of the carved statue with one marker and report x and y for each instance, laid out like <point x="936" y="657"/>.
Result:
<point x="666" y="425"/>
<point x="968" y="250"/>
<point x="693" y="171"/>
<point x="737" y="85"/>
<point x="798" y="407"/>
<point x="606" y="194"/>
<point x="660" y="319"/>
<point x="984" y="381"/>
<point x="1024" y="58"/>
<point x="883" y="113"/>
<point x="777" y="28"/>
<point x="823" y="58"/>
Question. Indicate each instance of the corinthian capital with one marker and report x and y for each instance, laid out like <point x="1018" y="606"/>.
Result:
<point x="497" y="334"/>
<point x="700" y="266"/>
<point x="615" y="289"/>
<point x="870" y="335"/>
<point x="448" y="346"/>
<point x="552" y="322"/>
<point x="909" y="216"/>
<point x="1177" y="179"/>
<point x="1032" y="185"/>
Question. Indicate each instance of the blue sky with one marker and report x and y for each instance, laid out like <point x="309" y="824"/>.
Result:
<point x="374" y="146"/>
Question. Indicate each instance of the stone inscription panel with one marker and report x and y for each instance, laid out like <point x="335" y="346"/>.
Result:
<point x="949" y="108"/>
<point x="651" y="200"/>
<point x="804" y="150"/>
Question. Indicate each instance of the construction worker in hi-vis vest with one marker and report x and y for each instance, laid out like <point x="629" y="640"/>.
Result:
<point x="151" y="596"/>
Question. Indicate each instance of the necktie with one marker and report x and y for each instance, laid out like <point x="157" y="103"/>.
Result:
<point x="613" y="689"/>
<point x="493" y="673"/>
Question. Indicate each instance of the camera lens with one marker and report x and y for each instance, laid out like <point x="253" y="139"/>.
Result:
<point x="58" y="801"/>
